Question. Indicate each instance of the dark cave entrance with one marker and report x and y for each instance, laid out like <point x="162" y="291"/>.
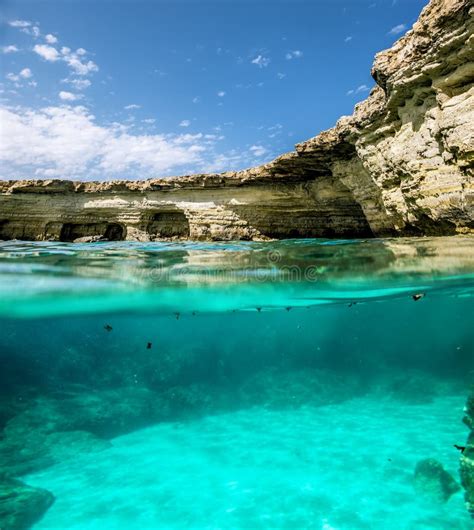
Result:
<point x="168" y="224"/>
<point x="109" y="231"/>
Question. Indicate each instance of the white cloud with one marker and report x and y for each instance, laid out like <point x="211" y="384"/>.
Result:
<point x="26" y="73"/>
<point x="69" y="96"/>
<point x="358" y="90"/>
<point x="196" y="99"/>
<point x="133" y="106"/>
<point x="67" y="142"/>
<point x="81" y="51"/>
<point x="149" y="120"/>
<point x="78" y="84"/>
<point x="295" y="54"/>
<point x="258" y="150"/>
<point x="221" y="93"/>
<point x="396" y="30"/>
<point x="261" y="61"/>
<point x="19" y="23"/>
<point x="48" y="53"/>
<point x="185" y="123"/>
<point x="281" y="75"/>
<point x="73" y="59"/>
<point x="50" y="39"/>
<point x="11" y="48"/>
<point x="348" y="38"/>
<point x="75" y="62"/>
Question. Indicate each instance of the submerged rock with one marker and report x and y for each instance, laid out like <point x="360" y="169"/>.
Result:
<point x="21" y="505"/>
<point x="467" y="457"/>
<point x="433" y="482"/>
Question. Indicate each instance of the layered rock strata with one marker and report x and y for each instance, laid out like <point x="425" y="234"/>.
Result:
<point x="402" y="164"/>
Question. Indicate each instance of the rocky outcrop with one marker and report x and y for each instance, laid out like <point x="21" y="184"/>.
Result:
<point x="402" y="164"/>
<point x="433" y="482"/>
<point x="20" y="505"/>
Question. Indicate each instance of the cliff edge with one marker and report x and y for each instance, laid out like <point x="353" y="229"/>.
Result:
<point x="402" y="164"/>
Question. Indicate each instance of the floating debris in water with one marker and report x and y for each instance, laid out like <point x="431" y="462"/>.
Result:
<point x="148" y="345"/>
<point x="108" y="327"/>
<point x="460" y="448"/>
<point x="419" y="296"/>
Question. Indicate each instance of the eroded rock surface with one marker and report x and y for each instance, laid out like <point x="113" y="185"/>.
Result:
<point x="402" y="164"/>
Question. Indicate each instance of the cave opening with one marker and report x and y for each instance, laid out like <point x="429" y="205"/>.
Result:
<point x="168" y="224"/>
<point x="109" y="231"/>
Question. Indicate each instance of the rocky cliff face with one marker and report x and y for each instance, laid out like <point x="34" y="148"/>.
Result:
<point x="402" y="164"/>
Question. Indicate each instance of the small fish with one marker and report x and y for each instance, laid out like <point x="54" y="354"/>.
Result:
<point x="258" y="309"/>
<point x="148" y="345"/>
<point x="177" y="315"/>
<point x="460" y="448"/>
<point x="108" y="327"/>
<point x="351" y="304"/>
<point x="288" y="308"/>
<point x="419" y="296"/>
<point x="194" y="313"/>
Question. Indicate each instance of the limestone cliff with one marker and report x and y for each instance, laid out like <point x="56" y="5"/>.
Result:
<point x="402" y="164"/>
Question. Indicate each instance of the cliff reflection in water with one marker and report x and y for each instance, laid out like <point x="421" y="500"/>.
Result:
<point x="238" y="385"/>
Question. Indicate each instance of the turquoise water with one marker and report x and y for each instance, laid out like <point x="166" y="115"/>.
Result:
<point x="291" y="384"/>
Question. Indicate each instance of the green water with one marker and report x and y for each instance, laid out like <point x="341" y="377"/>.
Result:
<point x="290" y="384"/>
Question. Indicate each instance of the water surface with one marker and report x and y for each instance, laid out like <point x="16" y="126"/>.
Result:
<point x="291" y="384"/>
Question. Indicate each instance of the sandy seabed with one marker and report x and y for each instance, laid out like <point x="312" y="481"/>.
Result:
<point x="346" y="466"/>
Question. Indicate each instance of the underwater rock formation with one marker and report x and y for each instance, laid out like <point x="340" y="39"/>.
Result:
<point x="433" y="482"/>
<point x="467" y="457"/>
<point x="21" y="505"/>
<point x="402" y="164"/>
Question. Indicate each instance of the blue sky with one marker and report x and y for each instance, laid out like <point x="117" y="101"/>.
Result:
<point x="139" y="89"/>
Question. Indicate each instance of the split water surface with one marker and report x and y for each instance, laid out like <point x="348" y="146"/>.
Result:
<point x="294" y="384"/>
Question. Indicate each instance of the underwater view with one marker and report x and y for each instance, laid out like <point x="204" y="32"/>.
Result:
<point x="299" y="384"/>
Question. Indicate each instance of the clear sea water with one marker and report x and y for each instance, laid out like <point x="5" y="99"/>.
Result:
<point x="287" y="385"/>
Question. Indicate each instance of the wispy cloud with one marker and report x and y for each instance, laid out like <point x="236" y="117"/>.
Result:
<point x="397" y="30"/>
<point x="185" y="123"/>
<point x="258" y="150"/>
<point x="281" y="75"/>
<point x="221" y="93"/>
<point x="11" y="48"/>
<point x="78" y="84"/>
<point x="19" y="23"/>
<point x="261" y="61"/>
<point x="26" y="73"/>
<point x="295" y="54"/>
<point x="132" y="106"/>
<point x="360" y="89"/>
<point x="348" y="38"/>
